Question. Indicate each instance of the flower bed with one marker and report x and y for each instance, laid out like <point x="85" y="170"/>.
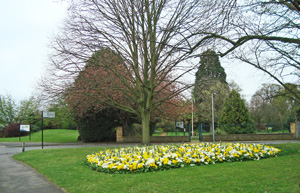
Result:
<point x="161" y="157"/>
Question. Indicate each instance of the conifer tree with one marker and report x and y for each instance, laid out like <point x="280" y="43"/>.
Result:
<point x="210" y="68"/>
<point x="235" y="118"/>
<point x="210" y="79"/>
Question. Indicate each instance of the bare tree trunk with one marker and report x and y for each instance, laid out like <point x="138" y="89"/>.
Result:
<point x="145" y="127"/>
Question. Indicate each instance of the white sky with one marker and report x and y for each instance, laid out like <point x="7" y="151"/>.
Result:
<point x="26" y="29"/>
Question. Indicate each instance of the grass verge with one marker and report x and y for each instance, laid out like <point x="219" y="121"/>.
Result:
<point x="50" y="136"/>
<point x="66" y="168"/>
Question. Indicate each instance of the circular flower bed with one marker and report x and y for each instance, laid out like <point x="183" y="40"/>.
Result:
<point x="161" y="157"/>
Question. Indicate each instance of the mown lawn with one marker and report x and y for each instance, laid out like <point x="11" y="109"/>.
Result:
<point x="50" y="136"/>
<point x="66" y="168"/>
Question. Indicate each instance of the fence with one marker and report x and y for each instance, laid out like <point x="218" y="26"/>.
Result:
<point x="270" y="131"/>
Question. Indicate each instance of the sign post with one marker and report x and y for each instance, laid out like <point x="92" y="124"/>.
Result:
<point x="46" y="115"/>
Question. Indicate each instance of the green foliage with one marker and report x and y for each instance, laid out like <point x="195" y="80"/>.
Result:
<point x="28" y="111"/>
<point x="235" y="118"/>
<point x="8" y="110"/>
<point x="210" y="79"/>
<point x="97" y="127"/>
<point x="25" y="112"/>
<point x="210" y="67"/>
<point x="63" y="118"/>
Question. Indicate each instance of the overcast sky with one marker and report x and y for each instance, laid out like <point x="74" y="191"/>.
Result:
<point x="26" y="30"/>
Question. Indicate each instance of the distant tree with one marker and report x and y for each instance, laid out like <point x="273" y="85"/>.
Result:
<point x="28" y="111"/>
<point x="261" y="108"/>
<point x="234" y="86"/>
<point x="272" y="104"/>
<point x="64" y="119"/>
<point x="235" y="118"/>
<point x="210" y="79"/>
<point x="8" y="110"/>
<point x="257" y="112"/>
<point x="294" y="104"/>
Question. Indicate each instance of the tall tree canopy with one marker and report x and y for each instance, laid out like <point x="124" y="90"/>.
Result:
<point x="210" y="80"/>
<point x="210" y="68"/>
<point x="154" y="38"/>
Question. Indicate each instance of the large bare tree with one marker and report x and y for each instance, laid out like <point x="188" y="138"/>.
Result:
<point x="156" y="39"/>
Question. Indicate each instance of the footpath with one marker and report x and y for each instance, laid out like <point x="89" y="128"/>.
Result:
<point x="17" y="177"/>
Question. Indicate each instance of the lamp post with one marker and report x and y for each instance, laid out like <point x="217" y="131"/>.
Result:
<point x="192" y="116"/>
<point x="212" y="114"/>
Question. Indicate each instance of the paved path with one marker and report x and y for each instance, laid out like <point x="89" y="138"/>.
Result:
<point x="17" y="177"/>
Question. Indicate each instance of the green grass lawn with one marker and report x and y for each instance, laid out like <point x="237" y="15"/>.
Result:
<point x="50" y="136"/>
<point x="66" y="168"/>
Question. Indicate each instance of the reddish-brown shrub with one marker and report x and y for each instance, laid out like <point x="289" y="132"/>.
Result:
<point x="13" y="130"/>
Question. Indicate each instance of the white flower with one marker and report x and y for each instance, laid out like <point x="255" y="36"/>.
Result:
<point x="150" y="161"/>
<point x="105" y="165"/>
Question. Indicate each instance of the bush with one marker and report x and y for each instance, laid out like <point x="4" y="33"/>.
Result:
<point x="237" y="128"/>
<point x="220" y="132"/>
<point x="134" y="130"/>
<point x="98" y="127"/>
<point x="34" y="128"/>
<point x="235" y="118"/>
<point x="13" y="130"/>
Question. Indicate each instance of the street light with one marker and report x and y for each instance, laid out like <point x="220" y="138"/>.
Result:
<point x="192" y="116"/>
<point x="212" y="114"/>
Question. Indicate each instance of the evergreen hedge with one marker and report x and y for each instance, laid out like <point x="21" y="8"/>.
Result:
<point x="98" y="127"/>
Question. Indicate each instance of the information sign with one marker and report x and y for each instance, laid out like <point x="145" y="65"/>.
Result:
<point x="179" y="125"/>
<point x="48" y="114"/>
<point x="25" y="128"/>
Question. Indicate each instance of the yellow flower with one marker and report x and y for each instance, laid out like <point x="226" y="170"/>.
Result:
<point x="140" y="165"/>
<point x="153" y="165"/>
<point x="110" y="166"/>
<point x="174" y="161"/>
<point x="165" y="161"/>
<point x="119" y="167"/>
<point x="236" y="155"/>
